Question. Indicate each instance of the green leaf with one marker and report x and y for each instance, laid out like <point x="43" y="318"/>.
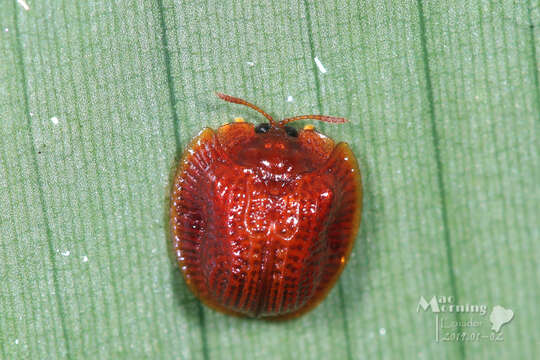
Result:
<point x="98" y="98"/>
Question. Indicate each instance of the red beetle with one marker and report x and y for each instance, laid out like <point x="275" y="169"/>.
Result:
<point x="263" y="218"/>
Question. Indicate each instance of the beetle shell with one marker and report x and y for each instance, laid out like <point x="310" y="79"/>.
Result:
<point x="263" y="223"/>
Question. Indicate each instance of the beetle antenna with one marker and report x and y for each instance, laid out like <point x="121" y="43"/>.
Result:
<point x="330" y="119"/>
<point x="236" y="100"/>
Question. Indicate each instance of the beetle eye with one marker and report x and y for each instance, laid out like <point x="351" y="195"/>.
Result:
<point x="291" y="131"/>
<point x="262" y="128"/>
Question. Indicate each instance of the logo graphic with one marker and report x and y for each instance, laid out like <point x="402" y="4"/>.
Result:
<point x="464" y="321"/>
<point x="500" y="316"/>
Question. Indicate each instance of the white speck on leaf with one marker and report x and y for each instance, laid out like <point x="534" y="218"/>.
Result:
<point x="85" y="258"/>
<point x="382" y="331"/>
<point x="6" y="29"/>
<point x="66" y="253"/>
<point x="16" y="341"/>
<point x="54" y="120"/>
<point x="250" y="63"/>
<point x="24" y="4"/>
<point x="321" y="67"/>
<point x="290" y="98"/>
